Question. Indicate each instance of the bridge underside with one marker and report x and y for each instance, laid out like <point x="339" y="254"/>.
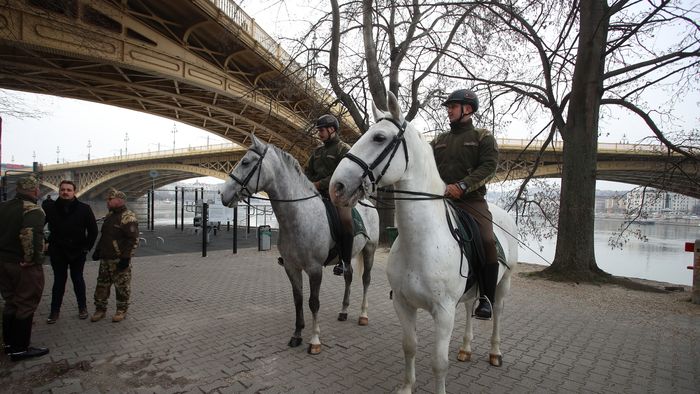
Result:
<point x="179" y="59"/>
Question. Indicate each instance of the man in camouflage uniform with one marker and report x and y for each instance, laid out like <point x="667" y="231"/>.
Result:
<point x="467" y="158"/>
<point x="21" y="273"/>
<point x="118" y="240"/>
<point x="319" y="170"/>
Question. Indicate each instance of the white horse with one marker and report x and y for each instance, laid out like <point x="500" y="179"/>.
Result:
<point x="424" y="261"/>
<point x="304" y="235"/>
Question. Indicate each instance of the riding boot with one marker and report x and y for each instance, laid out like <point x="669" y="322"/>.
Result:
<point x="8" y="322"/>
<point x="345" y="254"/>
<point x="22" y="336"/>
<point x="484" y="310"/>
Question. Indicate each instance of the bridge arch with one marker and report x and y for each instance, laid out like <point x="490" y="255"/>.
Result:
<point x="137" y="179"/>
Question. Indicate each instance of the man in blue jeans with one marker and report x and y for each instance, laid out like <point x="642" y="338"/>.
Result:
<point x="73" y="232"/>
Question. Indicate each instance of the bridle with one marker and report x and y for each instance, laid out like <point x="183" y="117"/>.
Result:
<point x="244" y="182"/>
<point x="368" y="170"/>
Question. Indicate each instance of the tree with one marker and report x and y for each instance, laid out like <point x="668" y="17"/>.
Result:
<point x="554" y="65"/>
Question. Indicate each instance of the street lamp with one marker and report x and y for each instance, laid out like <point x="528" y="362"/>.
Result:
<point x="89" y="145"/>
<point x="126" y="141"/>
<point x="174" y="130"/>
<point x="58" y="150"/>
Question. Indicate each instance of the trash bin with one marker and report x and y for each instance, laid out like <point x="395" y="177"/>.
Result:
<point x="391" y="234"/>
<point x="264" y="237"/>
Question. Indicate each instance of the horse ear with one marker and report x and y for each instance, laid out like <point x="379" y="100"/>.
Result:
<point x="255" y="141"/>
<point x="394" y="108"/>
<point x="377" y="113"/>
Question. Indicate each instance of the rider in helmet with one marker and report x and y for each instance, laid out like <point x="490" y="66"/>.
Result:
<point x="319" y="170"/>
<point x="467" y="158"/>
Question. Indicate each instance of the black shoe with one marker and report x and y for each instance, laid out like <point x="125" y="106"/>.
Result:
<point x="29" y="353"/>
<point x="53" y="316"/>
<point x="339" y="269"/>
<point x="483" y="311"/>
<point x="82" y="313"/>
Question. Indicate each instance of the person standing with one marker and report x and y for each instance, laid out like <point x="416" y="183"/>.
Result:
<point x="72" y="233"/>
<point x="21" y="273"/>
<point x="319" y="170"/>
<point x="118" y="241"/>
<point x="467" y="158"/>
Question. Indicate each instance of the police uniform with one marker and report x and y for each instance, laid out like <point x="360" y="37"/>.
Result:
<point x="117" y="244"/>
<point x="21" y="271"/>
<point x="323" y="162"/>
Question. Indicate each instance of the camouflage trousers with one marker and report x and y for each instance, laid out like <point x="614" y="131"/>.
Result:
<point x="109" y="276"/>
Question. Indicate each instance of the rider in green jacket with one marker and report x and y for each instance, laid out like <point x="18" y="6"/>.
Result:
<point x="319" y="170"/>
<point x="467" y="158"/>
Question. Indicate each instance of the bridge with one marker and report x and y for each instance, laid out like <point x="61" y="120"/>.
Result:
<point x="627" y="163"/>
<point x="201" y="62"/>
<point x="208" y="64"/>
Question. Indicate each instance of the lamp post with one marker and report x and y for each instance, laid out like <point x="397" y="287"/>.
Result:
<point x="58" y="150"/>
<point x="89" y="145"/>
<point x="126" y="141"/>
<point x="174" y="130"/>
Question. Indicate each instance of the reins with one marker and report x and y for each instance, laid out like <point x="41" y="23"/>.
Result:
<point x="244" y="182"/>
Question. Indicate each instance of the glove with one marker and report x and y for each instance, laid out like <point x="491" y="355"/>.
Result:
<point x="96" y="255"/>
<point x="123" y="264"/>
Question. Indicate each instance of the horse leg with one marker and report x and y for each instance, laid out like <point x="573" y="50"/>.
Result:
<point x="295" y="278"/>
<point x="444" y="319"/>
<point x="407" y="317"/>
<point x="465" y="350"/>
<point x="495" y="356"/>
<point x="368" y="262"/>
<point x="343" y="314"/>
<point x="314" y="304"/>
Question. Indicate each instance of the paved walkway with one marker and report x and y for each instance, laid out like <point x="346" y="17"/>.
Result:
<point x="221" y="324"/>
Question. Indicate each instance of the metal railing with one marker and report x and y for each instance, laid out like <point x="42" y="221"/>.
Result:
<point x="603" y="147"/>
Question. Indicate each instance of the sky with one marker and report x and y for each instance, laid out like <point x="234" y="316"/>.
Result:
<point x="71" y="129"/>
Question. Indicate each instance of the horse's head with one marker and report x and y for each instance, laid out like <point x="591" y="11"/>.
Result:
<point x="379" y="158"/>
<point x="248" y="175"/>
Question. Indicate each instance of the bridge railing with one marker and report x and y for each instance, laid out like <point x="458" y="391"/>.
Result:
<point x="603" y="147"/>
<point x="248" y="24"/>
<point x="226" y="147"/>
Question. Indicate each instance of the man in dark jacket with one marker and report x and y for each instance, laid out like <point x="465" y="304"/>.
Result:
<point x="73" y="232"/>
<point x="118" y="241"/>
<point x="319" y="170"/>
<point x="21" y="273"/>
<point x="467" y="158"/>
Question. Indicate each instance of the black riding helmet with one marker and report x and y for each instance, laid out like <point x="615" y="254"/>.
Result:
<point x="464" y="96"/>
<point x="328" y="121"/>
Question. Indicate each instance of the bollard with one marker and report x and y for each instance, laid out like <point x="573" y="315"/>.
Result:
<point x="695" y="248"/>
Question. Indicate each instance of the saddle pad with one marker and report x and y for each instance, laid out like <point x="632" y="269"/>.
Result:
<point x="357" y="224"/>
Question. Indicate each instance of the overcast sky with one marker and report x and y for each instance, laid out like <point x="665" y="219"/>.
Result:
<point x="70" y="125"/>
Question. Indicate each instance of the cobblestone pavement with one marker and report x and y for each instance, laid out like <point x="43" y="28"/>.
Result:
<point x="221" y="324"/>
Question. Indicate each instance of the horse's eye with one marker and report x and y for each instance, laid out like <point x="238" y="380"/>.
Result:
<point x="245" y="162"/>
<point x="379" y="138"/>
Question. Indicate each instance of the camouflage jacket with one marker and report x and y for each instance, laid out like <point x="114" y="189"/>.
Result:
<point x="22" y="231"/>
<point x="466" y="154"/>
<point x="324" y="160"/>
<point x="119" y="235"/>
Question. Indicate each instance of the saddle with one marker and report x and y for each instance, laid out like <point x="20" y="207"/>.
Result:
<point x="358" y="227"/>
<point x="468" y="236"/>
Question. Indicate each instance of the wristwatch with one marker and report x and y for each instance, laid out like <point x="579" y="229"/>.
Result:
<point x="462" y="186"/>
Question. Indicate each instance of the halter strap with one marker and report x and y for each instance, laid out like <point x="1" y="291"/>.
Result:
<point x="368" y="170"/>
<point x="244" y="182"/>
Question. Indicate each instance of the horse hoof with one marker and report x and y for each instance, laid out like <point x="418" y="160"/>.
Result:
<point x="496" y="360"/>
<point x="342" y="316"/>
<point x="464" y="356"/>
<point x="294" y="342"/>
<point x="314" y="349"/>
<point x="363" y="321"/>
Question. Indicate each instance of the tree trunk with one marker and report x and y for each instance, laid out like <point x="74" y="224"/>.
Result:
<point x="575" y="252"/>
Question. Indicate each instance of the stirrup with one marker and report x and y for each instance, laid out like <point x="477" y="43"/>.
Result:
<point x="474" y="306"/>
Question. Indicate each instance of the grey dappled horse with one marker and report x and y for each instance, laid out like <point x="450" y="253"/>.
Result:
<point x="305" y="236"/>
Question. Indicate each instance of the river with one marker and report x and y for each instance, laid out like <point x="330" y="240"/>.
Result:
<point x="662" y="257"/>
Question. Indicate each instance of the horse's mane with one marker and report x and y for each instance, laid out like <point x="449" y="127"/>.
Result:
<point x="289" y="161"/>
